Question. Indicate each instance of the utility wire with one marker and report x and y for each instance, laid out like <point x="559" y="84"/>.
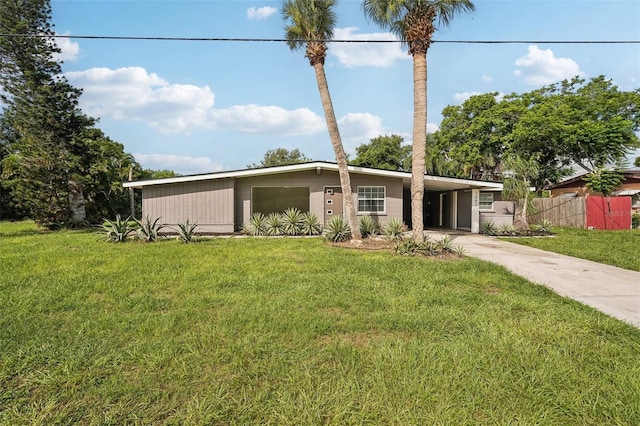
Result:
<point x="280" y="40"/>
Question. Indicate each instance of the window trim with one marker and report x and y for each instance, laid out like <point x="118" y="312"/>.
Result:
<point x="384" y="200"/>
<point x="480" y="201"/>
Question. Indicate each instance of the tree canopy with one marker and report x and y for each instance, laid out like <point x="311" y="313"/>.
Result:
<point x="280" y="157"/>
<point x="589" y="124"/>
<point x="384" y="152"/>
<point x="52" y="157"/>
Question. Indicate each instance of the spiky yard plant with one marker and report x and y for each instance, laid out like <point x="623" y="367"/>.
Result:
<point x="257" y="225"/>
<point x="488" y="228"/>
<point x="545" y="226"/>
<point x="186" y="231"/>
<point x="369" y="226"/>
<point x="337" y="229"/>
<point x="292" y="221"/>
<point x="118" y="230"/>
<point x="310" y="224"/>
<point x="274" y="225"/>
<point x="149" y="230"/>
<point x="393" y="229"/>
<point x="508" y="229"/>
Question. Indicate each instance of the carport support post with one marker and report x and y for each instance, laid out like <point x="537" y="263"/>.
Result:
<point x="475" y="211"/>
<point x="454" y="210"/>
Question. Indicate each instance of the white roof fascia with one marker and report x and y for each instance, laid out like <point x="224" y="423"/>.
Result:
<point x="317" y="165"/>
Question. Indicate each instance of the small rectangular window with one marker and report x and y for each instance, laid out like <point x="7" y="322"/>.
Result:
<point x="371" y="199"/>
<point x="486" y="201"/>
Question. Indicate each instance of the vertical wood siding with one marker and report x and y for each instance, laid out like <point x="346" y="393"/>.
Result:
<point x="207" y="203"/>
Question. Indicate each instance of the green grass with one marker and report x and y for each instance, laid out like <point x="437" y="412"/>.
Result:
<point x="294" y="331"/>
<point x="617" y="248"/>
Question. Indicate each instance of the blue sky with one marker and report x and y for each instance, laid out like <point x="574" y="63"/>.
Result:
<point x="201" y="106"/>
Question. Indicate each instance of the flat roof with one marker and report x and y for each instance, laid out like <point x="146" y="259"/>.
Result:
<point x="430" y="181"/>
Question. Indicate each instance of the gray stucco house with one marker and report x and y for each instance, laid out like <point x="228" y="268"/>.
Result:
<point x="222" y="202"/>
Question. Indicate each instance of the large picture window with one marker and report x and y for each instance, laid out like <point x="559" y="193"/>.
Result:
<point x="276" y="199"/>
<point x="371" y="199"/>
<point x="486" y="201"/>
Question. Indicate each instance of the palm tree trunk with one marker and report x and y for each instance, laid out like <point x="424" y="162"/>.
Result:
<point x="419" y="143"/>
<point x="338" y="149"/>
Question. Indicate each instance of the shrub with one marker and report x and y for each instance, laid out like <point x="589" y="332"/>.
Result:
<point x="488" y="228"/>
<point x="545" y="226"/>
<point x="148" y="230"/>
<point x="635" y="220"/>
<point x="393" y="229"/>
<point x="337" y="229"/>
<point x="257" y="224"/>
<point x="274" y="224"/>
<point x="310" y="224"/>
<point x="508" y="229"/>
<point x="186" y="231"/>
<point x="369" y="226"/>
<point x="117" y="231"/>
<point x="292" y="221"/>
<point x="427" y="247"/>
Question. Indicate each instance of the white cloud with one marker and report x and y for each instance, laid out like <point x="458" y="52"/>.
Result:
<point x="254" y="13"/>
<point x="461" y="97"/>
<point x="432" y="127"/>
<point x="366" y="54"/>
<point x="540" y="67"/>
<point x="132" y="93"/>
<point x="70" y="50"/>
<point x="180" y="164"/>
<point x="272" y="120"/>
<point x="487" y="78"/>
<point x="358" y="128"/>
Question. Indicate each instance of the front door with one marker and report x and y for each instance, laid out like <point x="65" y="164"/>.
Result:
<point x="332" y="202"/>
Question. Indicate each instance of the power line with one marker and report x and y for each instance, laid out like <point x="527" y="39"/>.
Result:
<point x="281" y="40"/>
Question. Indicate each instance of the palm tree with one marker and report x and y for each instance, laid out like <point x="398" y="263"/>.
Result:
<point x="413" y="22"/>
<point x="308" y="24"/>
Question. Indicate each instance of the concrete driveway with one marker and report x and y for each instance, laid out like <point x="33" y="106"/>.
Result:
<point x="614" y="291"/>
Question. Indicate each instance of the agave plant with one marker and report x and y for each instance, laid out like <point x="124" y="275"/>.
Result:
<point x="117" y="231"/>
<point x="186" y="231"/>
<point x="369" y="226"/>
<point x="310" y="224"/>
<point x="149" y="230"/>
<point x="393" y="229"/>
<point x="292" y="221"/>
<point x="274" y="224"/>
<point x="337" y="229"/>
<point x="445" y="244"/>
<point x="488" y="228"/>
<point x="257" y="224"/>
<point x="545" y="226"/>
<point x="508" y="229"/>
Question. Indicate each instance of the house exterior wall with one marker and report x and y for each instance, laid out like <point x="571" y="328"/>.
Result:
<point x="464" y="209"/>
<point x="207" y="203"/>
<point x="316" y="181"/>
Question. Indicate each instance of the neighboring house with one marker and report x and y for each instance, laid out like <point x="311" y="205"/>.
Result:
<point x="577" y="187"/>
<point x="222" y="202"/>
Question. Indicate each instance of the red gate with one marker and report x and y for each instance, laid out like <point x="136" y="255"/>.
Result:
<point x="608" y="212"/>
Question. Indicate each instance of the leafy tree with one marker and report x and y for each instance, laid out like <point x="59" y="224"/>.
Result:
<point x="280" y="157"/>
<point x="308" y="24"/>
<point x="41" y="118"/>
<point x="384" y="152"/>
<point x="414" y="22"/>
<point x="604" y="180"/>
<point x="519" y="173"/>
<point x="636" y="162"/>
<point x="568" y="123"/>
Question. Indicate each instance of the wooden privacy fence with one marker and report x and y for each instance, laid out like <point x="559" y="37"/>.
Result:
<point x="582" y="212"/>
<point x="570" y="212"/>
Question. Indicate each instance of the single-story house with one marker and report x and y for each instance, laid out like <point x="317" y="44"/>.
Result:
<point x="223" y="202"/>
<point x="577" y="187"/>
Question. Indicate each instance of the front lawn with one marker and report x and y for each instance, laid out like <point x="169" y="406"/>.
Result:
<point x="294" y="331"/>
<point x="617" y="248"/>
